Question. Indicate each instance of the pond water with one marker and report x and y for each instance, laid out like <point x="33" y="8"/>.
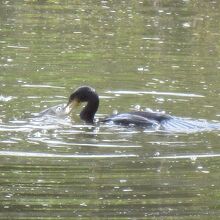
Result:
<point x="137" y="54"/>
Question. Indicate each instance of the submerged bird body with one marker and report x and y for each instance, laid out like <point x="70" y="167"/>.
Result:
<point x="137" y="118"/>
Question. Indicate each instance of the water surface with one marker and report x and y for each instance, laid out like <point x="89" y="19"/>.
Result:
<point x="137" y="54"/>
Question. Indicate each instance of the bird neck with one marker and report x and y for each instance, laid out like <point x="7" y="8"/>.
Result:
<point x="88" y="113"/>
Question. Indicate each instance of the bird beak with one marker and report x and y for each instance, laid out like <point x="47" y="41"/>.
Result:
<point x="71" y="105"/>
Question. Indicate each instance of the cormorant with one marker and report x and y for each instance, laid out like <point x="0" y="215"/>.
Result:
<point x="137" y="118"/>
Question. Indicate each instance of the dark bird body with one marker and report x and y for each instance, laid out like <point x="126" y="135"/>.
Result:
<point x="137" y="118"/>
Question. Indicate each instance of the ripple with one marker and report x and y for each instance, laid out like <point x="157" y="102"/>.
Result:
<point x="102" y="145"/>
<point x="121" y="92"/>
<point x="42" y="86"/>
<point x="151" y="38"/>
<point x="49" y="155"/>
<point x="17" y="47"/>
<point x="189" y="156"/>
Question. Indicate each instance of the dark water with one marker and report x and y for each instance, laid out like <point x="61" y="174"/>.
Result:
<point x="149" y="54"/>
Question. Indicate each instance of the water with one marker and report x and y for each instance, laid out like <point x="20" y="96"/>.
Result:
<point x="137" y="54"/>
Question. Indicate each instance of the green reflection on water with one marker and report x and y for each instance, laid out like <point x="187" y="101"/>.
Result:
<point x="49" y="48"/>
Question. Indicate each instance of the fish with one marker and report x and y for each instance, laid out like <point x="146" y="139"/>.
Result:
<point x="60" y="110"/>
